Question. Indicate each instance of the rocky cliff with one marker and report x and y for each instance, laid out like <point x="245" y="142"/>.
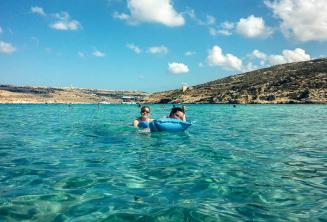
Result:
<point x="301" y="82"/>
<point x="16" y="94"/>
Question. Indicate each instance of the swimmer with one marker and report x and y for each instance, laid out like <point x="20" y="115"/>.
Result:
<point x="177" y="113"/>
<point x="144" y="120"/>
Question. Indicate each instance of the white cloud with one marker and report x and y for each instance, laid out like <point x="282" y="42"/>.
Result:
<point x="256" y="54"/>
<point x="259" y="55"/>
<point x="38" y="10"/>
<point x="228" y="61"/>
<point x="190" y="53"/>
<point x="249" y="67"/>
<point x="64" y="23"/>
<point x="227" y="25"/>
<point x="152" y="11"/>
<point x="98" y="53"/>
<point x="277" y="59"/>
<point x="134" y="48"/>
<point x="211" y="20"/>
<point x="178" y="68"/>
<point x="303" y="20"/>
<point x="121" y="16"/>
<point x="6" y="48"/>
<point x="253" y="27"/>
<point x="225" y="29"/>
<point x="287" y="56"/>
<point x="62" y="15"/>
<point x="158" y="50"/>
<point x="216" y="32"/>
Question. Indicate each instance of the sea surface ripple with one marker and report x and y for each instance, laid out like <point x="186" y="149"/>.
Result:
<point x="86" y="163"/>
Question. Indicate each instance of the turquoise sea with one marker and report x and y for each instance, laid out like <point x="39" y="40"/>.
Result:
<point x="86" y="163"/>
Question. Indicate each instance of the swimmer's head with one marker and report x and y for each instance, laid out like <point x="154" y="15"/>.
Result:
<point x="145" y="111"/>
<point x="177" y="113"/>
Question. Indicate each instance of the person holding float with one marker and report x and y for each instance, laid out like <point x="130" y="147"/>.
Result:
<point x="175" y="122"/>
<point x="177" y="113"/>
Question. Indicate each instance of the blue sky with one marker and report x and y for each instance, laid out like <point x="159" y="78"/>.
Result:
<point x="153" y="45"/>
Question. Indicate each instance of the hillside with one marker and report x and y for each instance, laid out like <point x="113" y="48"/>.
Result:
<point x="301" y="82"/>
<point x="16" y="94"/>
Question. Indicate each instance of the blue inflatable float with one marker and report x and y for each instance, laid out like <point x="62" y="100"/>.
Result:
<point x="168" y="124"/>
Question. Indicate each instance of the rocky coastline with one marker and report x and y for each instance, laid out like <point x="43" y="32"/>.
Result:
<point x="47" y="95"/>
<point x="299" y="83"/>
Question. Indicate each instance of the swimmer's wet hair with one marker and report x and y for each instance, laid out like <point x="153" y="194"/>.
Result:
<point x="176" y="109"/>
<point x="145" y="107"/>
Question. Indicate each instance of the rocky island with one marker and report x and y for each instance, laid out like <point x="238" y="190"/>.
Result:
<point x="301" y="82"/>
<point x="49" y="95"/>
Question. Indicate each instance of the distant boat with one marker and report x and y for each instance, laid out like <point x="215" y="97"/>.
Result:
<point x="130" y="102"/>
<point x="104" y="102"/>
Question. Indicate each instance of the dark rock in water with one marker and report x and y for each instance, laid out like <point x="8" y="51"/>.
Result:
<point x="138" y="199"/>
<point x="301" y="82"/>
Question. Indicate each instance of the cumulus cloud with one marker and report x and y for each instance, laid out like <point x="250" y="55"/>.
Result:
<point x="98" y="53"/>
<point x="134" y="48"/>
<point x="65" y="23"/>
<point x="256" y="54"/>
<point x="158" y="50"/>
<point x="228" y="61"/>
<point x="287" y="56"/>
<point x="249" y="67"/>
<point x="253" y="27"/>
<point x="178" y="68"/>
<point x="6" y="48"/>
<point x="152" y="11"/>
<point x="302" y="20"/>
<point x="38" y="10"/>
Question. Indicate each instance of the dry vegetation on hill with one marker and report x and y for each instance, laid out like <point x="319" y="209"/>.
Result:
<point x="302" y="82"/>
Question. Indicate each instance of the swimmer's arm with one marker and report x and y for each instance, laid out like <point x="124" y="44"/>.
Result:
<point x="135" y="123"/>
<point x="184" y="117"/>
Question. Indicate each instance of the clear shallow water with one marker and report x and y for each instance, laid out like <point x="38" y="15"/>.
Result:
<point x="81" y="163"/>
